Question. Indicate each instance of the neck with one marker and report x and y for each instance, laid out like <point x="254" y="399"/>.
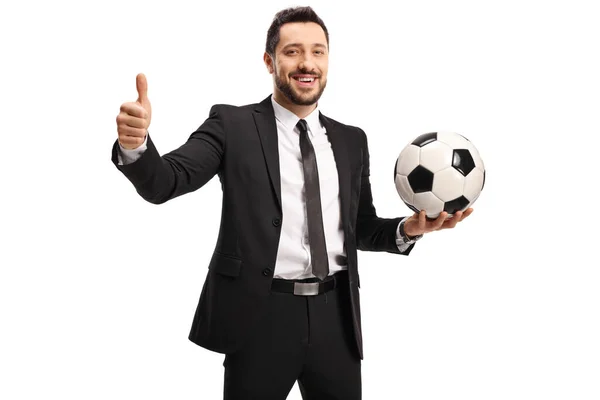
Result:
<point x="299" y="110"/>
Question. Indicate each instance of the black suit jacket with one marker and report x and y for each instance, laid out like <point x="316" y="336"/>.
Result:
<point x="239" y="144"/>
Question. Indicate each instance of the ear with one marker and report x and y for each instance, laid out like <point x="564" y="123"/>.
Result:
<point x="268" y="62"/>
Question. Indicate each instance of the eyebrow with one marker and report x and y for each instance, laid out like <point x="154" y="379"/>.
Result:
<point x="300" y="45"/>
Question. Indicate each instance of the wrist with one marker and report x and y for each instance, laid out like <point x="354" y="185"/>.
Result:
<point x="408" y="231"/>
<point x="408" y="235"/>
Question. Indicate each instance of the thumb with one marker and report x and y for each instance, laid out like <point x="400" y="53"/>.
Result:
<point x="142" y="89"/>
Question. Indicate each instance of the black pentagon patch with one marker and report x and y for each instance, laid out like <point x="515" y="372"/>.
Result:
<point x="458" y="204"/>
<point x="463" y="161"/>
<point x="421" y="179"/>
<point x="425" y="139"/>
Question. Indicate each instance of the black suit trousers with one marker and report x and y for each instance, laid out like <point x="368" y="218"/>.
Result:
<point x="308" y="339"/>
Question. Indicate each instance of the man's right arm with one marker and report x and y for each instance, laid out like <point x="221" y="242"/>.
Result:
<point x="160" y="178"/>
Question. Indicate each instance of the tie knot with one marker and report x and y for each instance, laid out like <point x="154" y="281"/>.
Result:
<point x="302" y="126"/>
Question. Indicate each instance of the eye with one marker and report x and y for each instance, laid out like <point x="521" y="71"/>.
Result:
<point x="291" y="52"/>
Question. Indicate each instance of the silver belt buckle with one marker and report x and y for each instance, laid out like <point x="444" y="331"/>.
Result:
<point x="306" y="289"/>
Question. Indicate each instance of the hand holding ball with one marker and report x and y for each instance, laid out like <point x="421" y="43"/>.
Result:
<point x="439" y="171"/>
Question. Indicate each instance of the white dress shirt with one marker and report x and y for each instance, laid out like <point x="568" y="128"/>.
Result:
<point x="293" y="254"/>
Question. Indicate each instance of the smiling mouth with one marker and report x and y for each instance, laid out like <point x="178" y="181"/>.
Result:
<point x="305" y="80"/>
<point x="305" y="77"/>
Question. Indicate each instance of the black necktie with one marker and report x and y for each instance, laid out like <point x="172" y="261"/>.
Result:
<point x="314" y="215"/>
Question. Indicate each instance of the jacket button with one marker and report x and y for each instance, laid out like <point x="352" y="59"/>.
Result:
<point x="276" y="222"/>
<point x="267" y="271"/>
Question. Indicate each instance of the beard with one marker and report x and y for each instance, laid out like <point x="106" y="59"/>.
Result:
<point x="298" y="98"/>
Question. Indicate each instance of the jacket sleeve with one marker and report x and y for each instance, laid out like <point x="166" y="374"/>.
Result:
<point x="161" y="178"/>
<point x="372" y="232"/>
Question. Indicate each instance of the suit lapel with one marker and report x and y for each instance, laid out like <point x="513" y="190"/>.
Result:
<point x="340" y="153"/>
<point x="264" y="118"/>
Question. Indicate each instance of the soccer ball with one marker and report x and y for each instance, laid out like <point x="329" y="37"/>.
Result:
<point x="439" y="171"/>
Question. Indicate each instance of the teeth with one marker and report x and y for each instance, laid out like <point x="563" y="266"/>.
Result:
<point x="306" y="79"/>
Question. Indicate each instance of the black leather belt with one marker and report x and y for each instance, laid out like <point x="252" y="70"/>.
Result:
<point x="311" y="286"/>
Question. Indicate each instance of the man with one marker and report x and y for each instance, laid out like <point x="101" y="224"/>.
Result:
<point x="281" y="297"/>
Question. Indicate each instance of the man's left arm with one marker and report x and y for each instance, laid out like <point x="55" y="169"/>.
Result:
<point x="397" y="235"/>
<point x="372" y="232"/>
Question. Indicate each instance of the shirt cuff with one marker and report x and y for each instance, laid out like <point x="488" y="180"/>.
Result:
<point x="400" y="241"/>
<point x="129" y="156"/>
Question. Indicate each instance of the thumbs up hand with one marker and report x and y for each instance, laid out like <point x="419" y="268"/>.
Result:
<point x="134" y="118"/>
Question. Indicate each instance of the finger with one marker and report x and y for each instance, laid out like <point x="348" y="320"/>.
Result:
<point x="134" y="109"/>
<point x="467" y="212"/>
<point x="455" y="219"/>
<point x="124" y="119"/>
<point x="422" y="220"/>
<point x="439" y="221"/>
<point x="142" y="89"/>
<point x="131" y="142"/>
<point x="129" y="131"/>
<point x="414" y="218"/>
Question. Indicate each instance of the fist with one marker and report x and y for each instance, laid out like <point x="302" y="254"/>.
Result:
<point x="134" y="119"/>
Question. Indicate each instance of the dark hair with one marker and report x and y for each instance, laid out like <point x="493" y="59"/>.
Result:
<point x="295" y="14"/>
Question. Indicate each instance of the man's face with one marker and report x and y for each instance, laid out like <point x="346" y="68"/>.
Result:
<point x="301" y="61"/>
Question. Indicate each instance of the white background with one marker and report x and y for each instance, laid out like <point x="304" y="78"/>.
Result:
<point x="98" y="288"/>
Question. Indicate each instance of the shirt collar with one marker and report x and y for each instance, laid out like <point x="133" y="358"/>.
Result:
<point x="289" y="119"/>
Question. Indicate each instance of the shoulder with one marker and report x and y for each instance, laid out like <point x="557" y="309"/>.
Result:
<point x="355" y="131"/>
<point x="230" y="109"/>
<point x="227" y="118"/>
<point x="247" y="109"/>
<point x="232" y="117"/>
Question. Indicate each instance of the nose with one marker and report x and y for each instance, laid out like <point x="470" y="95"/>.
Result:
<point x="307" y="62"/>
